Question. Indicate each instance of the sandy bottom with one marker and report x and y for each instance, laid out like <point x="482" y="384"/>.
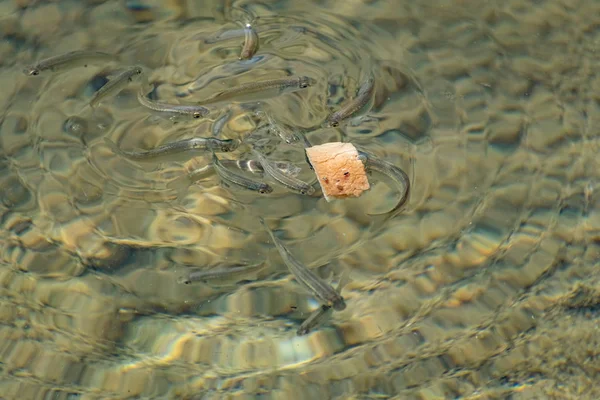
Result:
<point x="485" y="287"/>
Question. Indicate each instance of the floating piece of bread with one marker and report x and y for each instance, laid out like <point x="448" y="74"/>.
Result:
<point x="340" y="172"/>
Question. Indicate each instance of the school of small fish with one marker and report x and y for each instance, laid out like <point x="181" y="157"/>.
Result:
<point x="231" y="172"/>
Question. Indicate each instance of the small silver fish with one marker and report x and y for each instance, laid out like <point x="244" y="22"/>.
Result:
<point x="242" y="181"/>
<point x="219" y="274"/>
<point x="255" y="167"/>
<point x="391" y="171"/>
<point x="286" y="134"/>
<point x="313" y="320"/>
<point x="71" y="59"/>
<point x="115" y="85"/>
<point x="251" y="166"/>
<point x="204" y="144"/>
<point x="250" y="42"/>
<point x="283" y="84"/>
<point x="364" y="95"/>
<point x="288" y="181"/>
<point x="194" y="111"/>
<point x="218" y="125"/>
<point x="324" y="292"/>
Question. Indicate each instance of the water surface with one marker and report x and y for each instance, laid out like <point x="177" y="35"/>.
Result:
<point x="486" y="286"/>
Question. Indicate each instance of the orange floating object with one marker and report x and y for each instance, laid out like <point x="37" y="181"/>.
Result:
<point x="340" y="172"/>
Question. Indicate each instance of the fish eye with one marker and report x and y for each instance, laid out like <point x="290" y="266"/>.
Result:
<point x="334" y="124"/>
<point x="339" y="305"/>
<point x="34" y="72"/>
<point x="196" y="115"/>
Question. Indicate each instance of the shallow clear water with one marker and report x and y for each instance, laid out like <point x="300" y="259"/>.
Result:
<point x="485" y="286"/>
